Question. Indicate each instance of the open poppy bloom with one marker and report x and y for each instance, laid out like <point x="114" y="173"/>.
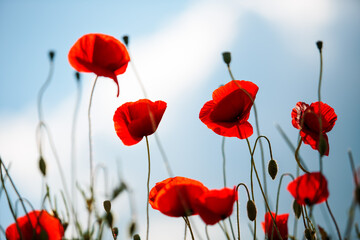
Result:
<point x="228" y="113"/>
<point x="176" y="197"/>
<point x="101" y="54"/>
<point x="309" y="189"/>
<point x="35" y="225"/>
<point x="216" y="205"/>
<point x="306" y="118"/>
<point x="135" y="120"/>
<point x="281" y="223"/>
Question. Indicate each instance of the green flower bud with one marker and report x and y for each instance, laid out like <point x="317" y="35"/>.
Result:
<point x="272" y="168"/>
<point x="42" y="166"/>
<point x="107" y="206"/>
<point x="227" y="57"/>
<point x="296" y="209"/>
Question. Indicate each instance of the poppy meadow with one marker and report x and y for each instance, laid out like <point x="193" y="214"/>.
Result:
<point x="229" y="112"/>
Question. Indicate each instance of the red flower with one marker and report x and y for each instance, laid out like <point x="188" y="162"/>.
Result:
<point x="101" y="54"/>
<point x="176" y="197"/>
<point x="306" y="118"/>
<point x="35" y="224"/>
<point x="281" y="223"/>
<point x="309" y="189"/>
<point x="216" y="205"/>
<point x="134" y="120"/>
<point x="228" y="112"/>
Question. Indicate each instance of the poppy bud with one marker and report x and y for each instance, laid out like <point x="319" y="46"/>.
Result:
<point x="309" y="234"/>
<point x="227" y="57"/>
<point x="126" y="39"/>
<point x="115" y="232"/>
<point x="319" y="45"/>
<point x="107" y="206"/>
<point x="322" y="146"/>
<point x="77" y="76"/>
<point x="51" y="55"/>
<point x="323" y="234"/>
<point x="132" y="228"/>
<point x="272" y="168"/>
<point x="137" y="237"/>
<point x="296" y="209"/>
<point x="42" y="166"/>
<point x="251" y="210"/>
<point x="357" y="194"/>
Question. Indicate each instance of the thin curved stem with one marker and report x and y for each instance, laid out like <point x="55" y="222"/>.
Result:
<point x="262" y="192"/>
<point x="237" y="206"/>
<point x="278" y="192"/>
<point x="206" y="232"/>
<point x="257" y="128"/>
<point x="297" y="159"/>
<point x="333" y="218"/>
<point x="186" y="219"/>
<point x="148" y="189"/>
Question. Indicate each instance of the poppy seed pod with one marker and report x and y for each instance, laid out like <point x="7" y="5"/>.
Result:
<point x="319" y="45"/>
<point x="51" y="55"/>
<point x="251" y="210"/>
<point x="272" y="168"/>
<point x="107" y="206"/>
<point x="227" y="57"/>
<point x="126" y="39"/>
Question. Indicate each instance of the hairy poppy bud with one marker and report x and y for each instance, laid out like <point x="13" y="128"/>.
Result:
<point x="251" y="210"/>
<point x="227" y="57"/>
<point x="137" y="237"/>
<point x="132" y="228"/>
<point x="272" y="168"/>
<point x="115" y="232"/>
<point x="322" y="146"/>
<point x="107" y="206"/>
<point x="296" y="209"/>
<point x="126" y="39"/>
<point x="42" y="166"/>
<point x="309" y="234"/>
<point x="319" y="45"/>
<point x="51" y="55"/>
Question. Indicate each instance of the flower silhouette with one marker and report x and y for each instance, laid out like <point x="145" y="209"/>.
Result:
<point x="306" y="118"/>
<point x="176" y="197"/>
<point x="216" y="205"/>
<point x="228" y="113"/>
<point x="135" y="120"/>
<point x="309" y="189"/>
<point x="281" y="223"/>
<point x="101" y="54"/>
<point x="36" y="225"/>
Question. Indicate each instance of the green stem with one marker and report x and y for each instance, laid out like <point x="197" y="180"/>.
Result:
<point x="206" y="232"/>
<point x="333" y="218"/>
<point x="237" y="206"/>
<point x="297" y="159"/>
<point x="224" y="159"/>
<point x="262" y="191"/>
<point x="148" y="189"/>
<point x="186" y="219"/>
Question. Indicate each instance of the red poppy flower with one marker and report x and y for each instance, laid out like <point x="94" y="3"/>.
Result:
<point x="36" y="224"/>
<point x="228" y="113"/>
<point x="216" y="205"/>
<point x="281" y="223"/>
<point x="101" y="54"/>
<point x="309" y="189"/>
<point x="135" y="120"/>
<point x="176" y="197"/>
<point x="306" y="118"/>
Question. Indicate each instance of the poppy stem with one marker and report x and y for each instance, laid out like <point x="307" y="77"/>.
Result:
<point x="333" y="218"/>
<point x="223" y="228"/>
<point x="206" y="232"/>
<point x="257" y="129"/>
<point x="157" y="139"/>
<point x="224" y="159"/>
<point x="297" y="159"/>
<point x="148" y="189"/>
<point x="186" y="219"/>
<point x="262" y="190"/>
<point x="353" y="170"/>
<point x="91" y="154"/>
<point x="320" y="75"/>
<point x="237" y="206"/>
<point x="278" y="192"/>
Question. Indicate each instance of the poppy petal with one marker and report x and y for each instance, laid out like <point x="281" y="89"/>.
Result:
<point x="281" y="222"/>
<point x="328" y="115"/>
<point x="297" y="114"/>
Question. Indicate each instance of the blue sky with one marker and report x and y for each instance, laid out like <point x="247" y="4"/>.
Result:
<point x="177" y="46"/>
